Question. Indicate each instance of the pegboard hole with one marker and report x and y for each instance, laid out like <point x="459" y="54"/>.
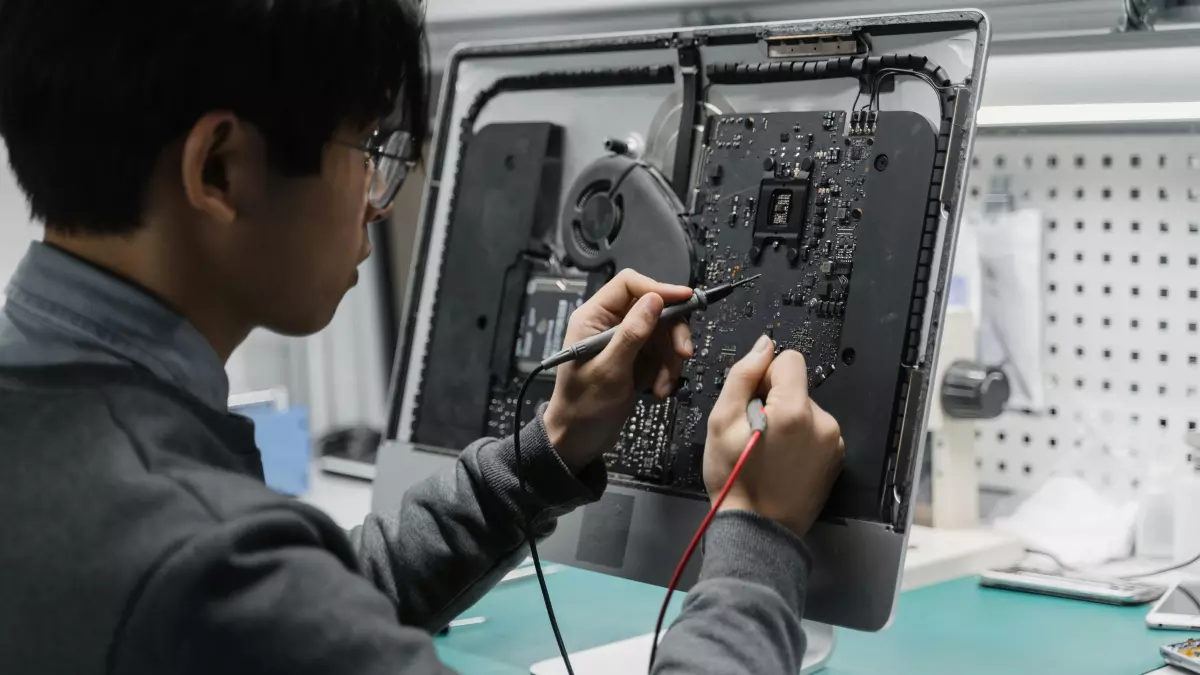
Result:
<point x="1192" y="327"/>
<point x="999" y="161"/>
<point x="1079" y="225"/>
<point x="1162" y="390"/>
<point x="1078" y="289"/>
<point x="1135" y="356"/>
<point x="1027" y="469"/>
<point x="1078" y="319"/>
<point x="1079" y="256"/>
<point x="1108" y="353"/>
<point x="1135" y="226"/>
<point x="1191" y="261"/>
<point x="1106" y="385"/>
<point x="1079" y="161"/>
<point x="1191" y="294"/>
<point x="1163" y="260"/>
<point x="1191" y="359"/>
<point x="1193" y="228"/>
<point x="1164" y="227"/>
<point x="1135" y="161"/>
<point x="1135" y="419"/>
<point x="1106" y="193"/>
<point x="1079" y="352"/>
<point x="1079" y="383"/>
<point x="1079" y="193"/>
<point x="1162" y="423"/>
<point x="1052" y="161"/>
<point x="1162" y="357"/>
<point x="1053" y="318"/>
<point x="1135" y="291"/>
<point x="1052" y="256"/>
<point x="1001" y="466"/>
<point x="1193" y="195"/>
<point x="1162" y="292"/>
<point x="1026" y="439"/>
<point x="1000" y="436"/>
<point x="1052" y="224"/>
<point x="1107" y="258"/>
<point x="1106" y="161"/>
<point x="1107" y="291"/>
<point x="975" y="161"/>
<point x="1162" y="194"/>
<point x="1052" y="441"/>
<point x="1054" y="411"/>
<point x="1053" y="348"/>
<point x="1133" y="387"/>
<point x="1052" y="287"/>
<point x="1134" y="259"/>
<point x="1162" y="161"/>
<point x="1028" y="161"/>
<point x="1052" y="193"/>
<point x="975" y="192"/>
<point x="1134" y="324"/>
<point x="1191" y="425"/>
<point x="1162" y="325"/>
<point x="1108" y="226"/>
<point x="1135" y="194"/>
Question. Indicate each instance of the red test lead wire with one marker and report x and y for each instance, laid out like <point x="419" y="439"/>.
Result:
<point x="758" y="425"/>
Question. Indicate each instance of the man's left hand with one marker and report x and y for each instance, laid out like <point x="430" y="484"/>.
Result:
<point x="592" y="399"/>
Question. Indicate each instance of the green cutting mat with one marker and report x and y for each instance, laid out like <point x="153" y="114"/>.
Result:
<point x="951" y="628"/>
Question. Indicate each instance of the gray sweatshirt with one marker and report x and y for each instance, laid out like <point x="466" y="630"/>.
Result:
<point x="144" y="539"/>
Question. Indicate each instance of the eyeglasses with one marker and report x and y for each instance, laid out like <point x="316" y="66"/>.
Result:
<point x="389" y="157"/>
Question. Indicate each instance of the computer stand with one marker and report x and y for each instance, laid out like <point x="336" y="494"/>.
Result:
<point x="633" y="655"/>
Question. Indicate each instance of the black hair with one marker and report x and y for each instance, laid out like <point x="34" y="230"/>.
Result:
<point x="92" y="91"/>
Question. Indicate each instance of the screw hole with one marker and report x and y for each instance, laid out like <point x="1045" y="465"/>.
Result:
<point x="848" y="356"/>
<point x="481" y="322"/>
<point x="881" y="163"/>
<point x="510" y="162"/>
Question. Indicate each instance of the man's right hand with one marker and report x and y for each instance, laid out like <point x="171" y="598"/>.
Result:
<point x="791" y="470"/>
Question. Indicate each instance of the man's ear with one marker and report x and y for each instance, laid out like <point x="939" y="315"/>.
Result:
<point x="214" y="153"/>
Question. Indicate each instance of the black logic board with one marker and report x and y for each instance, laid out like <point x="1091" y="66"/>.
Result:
<point x="781" y="196"/>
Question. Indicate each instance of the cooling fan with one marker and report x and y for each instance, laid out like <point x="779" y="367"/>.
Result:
<point x="621" y="213"/>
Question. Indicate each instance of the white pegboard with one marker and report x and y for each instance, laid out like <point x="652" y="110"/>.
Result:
<point x="1121" y="218"/>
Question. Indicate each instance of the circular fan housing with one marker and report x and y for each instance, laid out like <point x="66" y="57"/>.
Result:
<point x="621" y="213"/>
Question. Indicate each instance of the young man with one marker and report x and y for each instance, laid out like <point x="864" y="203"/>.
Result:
<point x="206" y="168"/>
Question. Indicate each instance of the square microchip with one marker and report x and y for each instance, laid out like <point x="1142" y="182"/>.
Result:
<point x="781" y="207"/>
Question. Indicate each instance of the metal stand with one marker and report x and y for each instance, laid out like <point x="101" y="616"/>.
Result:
<point x="633" y="655"/>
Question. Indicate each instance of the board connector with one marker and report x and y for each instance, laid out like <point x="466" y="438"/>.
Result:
<point x="817" y="46"/>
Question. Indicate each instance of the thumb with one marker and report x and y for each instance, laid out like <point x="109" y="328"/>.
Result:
<point x="633" y="333"/>
<point x="746" y="375"/>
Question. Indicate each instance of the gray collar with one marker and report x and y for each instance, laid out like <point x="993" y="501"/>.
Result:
<point x="79" y="311"/>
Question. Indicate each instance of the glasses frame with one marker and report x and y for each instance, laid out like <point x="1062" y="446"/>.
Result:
<point x="375" y="152"/>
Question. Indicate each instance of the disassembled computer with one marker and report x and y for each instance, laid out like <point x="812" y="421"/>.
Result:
<point x="827" y="156"/>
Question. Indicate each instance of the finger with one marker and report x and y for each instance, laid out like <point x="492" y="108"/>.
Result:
<point x="633" y="333"/>
<point x="681" y="340"/>
<point x="825" y="426"/>
<point x="787" y="378"/>
<point x="743" y="379"/>
<point x="672" y="367"/>
<point x="663" y="382"/>
<point x="628" y="286"/>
